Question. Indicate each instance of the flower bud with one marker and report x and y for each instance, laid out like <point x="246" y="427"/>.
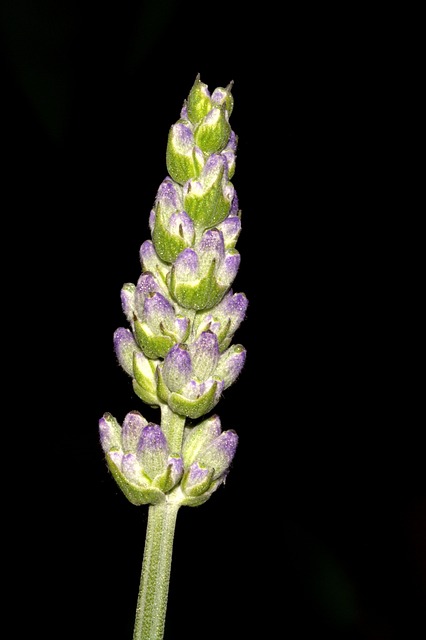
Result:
<point x="152" y="451"/>
<point x="212" y="133"/>
<point x="207" y="199"/>
<point x="151" y="262"/>
<point x="224" y="319"/>
<point x="171" y="228"/>
<point x="124" y="347"/>
<point x="193" y="399"/>
<point x="131" y="431"/>
<point x="230" y="364"/>
<point x="172" y="475"/>
<point x="184" y="159"/>
<point x="144" y="381"/>
<point x="110" y="433"/>
<point x="204" y="352"/>
<point x="221" y="96"/>
<point x="127" y="296"/>
<point x="197" y="480"/>
<point x="187" y="380"/>
<point x="198" y="103"/>
<point x="199" y="437"/>
<point x="177" y="367"/>
<point x="201" y="276"/>
<point x="157" y="327"/>
<point x="229" y="153"/>
<point x="120" y="446"/>
<point x="219" y="454"/>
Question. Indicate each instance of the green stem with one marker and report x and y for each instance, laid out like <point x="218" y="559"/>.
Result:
<point x="155" y="577"/>
<point x="172" y="425"/>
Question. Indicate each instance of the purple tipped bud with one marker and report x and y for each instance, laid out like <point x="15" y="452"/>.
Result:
<point x="221" y="96"/>
<point x="182" y="158"/>
<point x="177" y="367"/>
<point x="230" y="364"/>
<point x="220" y="453"/>
<point x="199" y="437"/>
<point x="211" y="246"/>
<point x="235" y="208"/>
<point x="229" y="154"/>
<point x="150" y="260"/>
<point x="204" y="354"/>
<point x="234" y="306"/>
<point x="169" y="196"/>
<point x="214" y="169"/>
<point x="174" y="472"/>
<point x="152" y="451"/>
<point x="229" y="268"/>
<point x="157" y="311"/>
<point x="186" y="265"/>
<point x="127" y="296"/>
<point x="197" y="480"/>
<point x="124" y="347"/>
<point x="231" y="229"/>
<point x="146" y="284"/>
<point x="145" y="383"/>
<point x="131" y="431"/>
<point x="182" y="137"/>
<point x="109" y="433"/>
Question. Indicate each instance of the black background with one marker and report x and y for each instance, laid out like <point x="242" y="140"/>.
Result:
<point x="321" y="526"/>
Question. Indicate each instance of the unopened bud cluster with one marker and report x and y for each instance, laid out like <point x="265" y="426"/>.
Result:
<point x="182" y="314"/>
<point x="139" y="458"/>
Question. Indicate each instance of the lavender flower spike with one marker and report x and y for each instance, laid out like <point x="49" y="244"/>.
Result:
<point x="182" y="315"/>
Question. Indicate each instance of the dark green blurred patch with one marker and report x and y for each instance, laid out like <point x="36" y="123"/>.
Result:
<point x="323" y="579"/>
<point x="332" y="588"/>
<point x="38" y="45"/>
<point x="47" y="45"/>
<point x="153" y="18"/>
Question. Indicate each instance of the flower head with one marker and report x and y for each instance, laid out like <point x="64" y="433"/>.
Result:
<point x="182" y="315"/>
